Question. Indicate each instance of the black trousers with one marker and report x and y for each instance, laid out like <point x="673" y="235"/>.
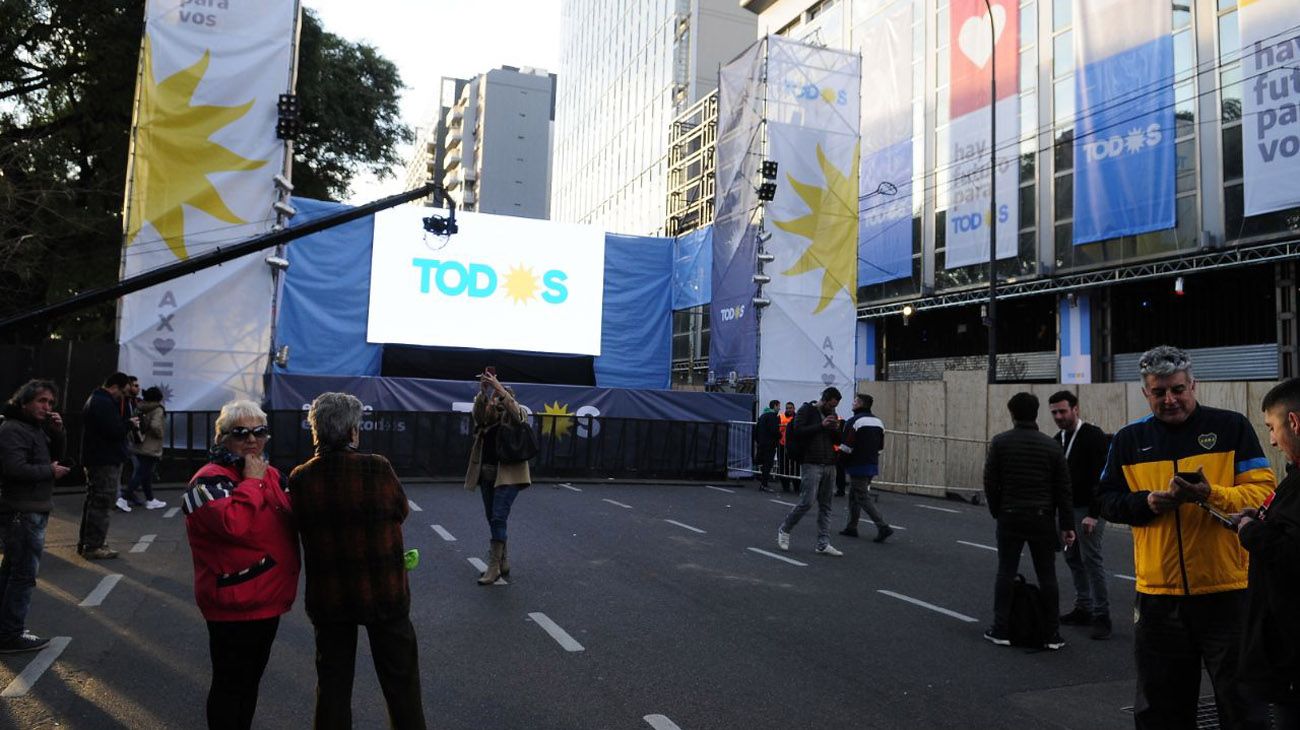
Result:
<point x="1173" y="636"/>
<point x="1014" y="532"/>
<point x="764" y="454"/>
<point x="239" y="651"/>
<point x="397" y="664"/>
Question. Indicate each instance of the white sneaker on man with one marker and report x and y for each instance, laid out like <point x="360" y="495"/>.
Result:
<point x="122" y="504"/>
<point x="829" y="549"/>
<point x="155" y="504"/>
<point x="783" y="540"/>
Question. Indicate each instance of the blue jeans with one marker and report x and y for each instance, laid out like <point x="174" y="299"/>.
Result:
<point x="818" y="480"/>
<point x="1086" y="566"/>
<point x="141" y="476"/>
<point x="496" y="507"/>
<point x="24" y="539"/>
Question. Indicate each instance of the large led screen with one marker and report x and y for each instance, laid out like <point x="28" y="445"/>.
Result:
<point x="500" y="283"/>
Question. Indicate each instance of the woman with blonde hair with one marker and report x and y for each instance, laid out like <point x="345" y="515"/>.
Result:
<point x="499" y="482"/>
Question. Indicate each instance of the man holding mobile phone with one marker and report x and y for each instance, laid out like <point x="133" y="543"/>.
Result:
<point x="1191" y="573"/>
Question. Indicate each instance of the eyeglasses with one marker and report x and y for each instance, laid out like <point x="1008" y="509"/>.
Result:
<point x="243" y="432"/>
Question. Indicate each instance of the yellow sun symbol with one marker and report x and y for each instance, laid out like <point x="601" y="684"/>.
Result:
<point x="521" y="284"/>
<point x="556" y="419"/>
<point x="832" y="227"/>
<point x="173" y="155"/>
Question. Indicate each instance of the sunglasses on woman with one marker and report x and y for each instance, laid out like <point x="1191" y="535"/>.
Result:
<point x="243" y="432"/>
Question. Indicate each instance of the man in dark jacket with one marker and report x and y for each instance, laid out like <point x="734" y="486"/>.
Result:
<point x="1085" y="450"/>
<point x="1027" y="487"/>
<point x="812" y="435"/>
<point x="864" y="437"/>
<point x="767" y="434"/>
<point x="31" y="442"/>
<point x="103" y="451"/>
<point x="1269" y="664"/>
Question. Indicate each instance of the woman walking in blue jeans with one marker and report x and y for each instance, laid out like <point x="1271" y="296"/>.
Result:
<point x="498" y="483"/>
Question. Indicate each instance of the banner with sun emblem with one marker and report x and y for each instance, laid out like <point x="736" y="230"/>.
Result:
<point x="807" y="333"/>
<point x="203" y="154"/>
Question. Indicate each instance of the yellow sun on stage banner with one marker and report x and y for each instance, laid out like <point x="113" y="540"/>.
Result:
<point x="831" y="226"/>
<point x="521" y="284"/>
<point x="174" y="155"/>
<point x="556" y="419"/>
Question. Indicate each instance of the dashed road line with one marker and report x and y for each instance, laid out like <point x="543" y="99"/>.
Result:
<point x="101" y="591"/>
<point x="442" y="532"/>
<point x="171" y="513"/>
<point x="144" y="543"/>
<point x="977" y="545"/>
<point x="782" y="558"/>
<point x="617" y="504"/>
<point x="36" y="667"/>
<point x="686" y="526"/>
<point x="481" y="567"/>
<point x="867" y="520"/>
<point x="414" y="507"/>
<point x="931" y="606"/>
<point x="716" y="489"/>
<point x="560" y="635"/>
<point x="938" y="509"/>
<point x="1125" y="577"/>
<point x="780" y="501"/>
<point x="569" y="487"/>
<point x="661" y="722"/>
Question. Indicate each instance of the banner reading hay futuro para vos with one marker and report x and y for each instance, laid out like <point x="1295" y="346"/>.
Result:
<point x="203" y="155"/>
<point x="1270" y="128"/>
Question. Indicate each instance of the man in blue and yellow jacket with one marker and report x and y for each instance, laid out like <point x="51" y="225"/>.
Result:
<point x="1191" y="572"/>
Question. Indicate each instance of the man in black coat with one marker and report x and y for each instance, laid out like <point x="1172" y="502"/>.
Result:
<point x="767" y="434"/>
<point x="1269" y="664"/>
<point x="1085" y="450"/>
<point x="103" y="451"/>
<point x="1027" y="487"/>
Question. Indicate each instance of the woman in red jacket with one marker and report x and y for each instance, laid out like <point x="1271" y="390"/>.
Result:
<point x="245" y="551"/>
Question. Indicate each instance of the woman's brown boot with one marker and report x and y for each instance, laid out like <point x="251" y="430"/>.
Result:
<point x="494" y="564"/>
<point x="505" y="559"/>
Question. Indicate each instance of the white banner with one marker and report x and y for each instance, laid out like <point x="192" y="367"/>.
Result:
<point x="807" y="334"/>
<point x="967" y="195"/>
<point x="1270" y="127"/>
<point x="501" y="283"/>
<point x="204" y="151"/>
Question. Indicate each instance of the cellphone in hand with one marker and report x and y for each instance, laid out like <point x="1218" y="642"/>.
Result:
<point x="490" y="370"/>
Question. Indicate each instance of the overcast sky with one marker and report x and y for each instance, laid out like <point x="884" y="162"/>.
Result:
<point x="429" y="39"/>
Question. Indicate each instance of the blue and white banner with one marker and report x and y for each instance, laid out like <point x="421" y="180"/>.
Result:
<point x="693" y="268"/>
<point x="866" y="369"/>
<point x="1124" y="138"/>
<point x="885" y="220"/>
<point x="1270" y="129"/>
<point x="1076" y="338"/>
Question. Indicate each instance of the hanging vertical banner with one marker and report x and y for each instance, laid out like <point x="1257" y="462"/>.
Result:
<point x="1075" y="326"/>
<point x="1124" y="138"/>
<point x="203" y="155"/>
<point x="808" y="331"/>
<point x="1270" y="128"/>
<point x="885" y="194"/>
<point x="733" y="339"/>
<point x="982" y="38"/>
<point x="866" y="369"/>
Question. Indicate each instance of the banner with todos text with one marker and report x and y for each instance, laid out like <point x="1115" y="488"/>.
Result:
<point x="203" y="155"/>
<point x="1270" y="128"/>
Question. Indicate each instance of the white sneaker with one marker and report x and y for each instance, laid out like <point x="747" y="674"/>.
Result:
<point x="783" y="540"/>
<point x="155" y="504"/>
<point x="123" y="505"/>
<point x="829" y="549"/>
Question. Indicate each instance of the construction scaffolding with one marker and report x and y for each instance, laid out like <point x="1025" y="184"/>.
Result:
<point x="692" y="155"/>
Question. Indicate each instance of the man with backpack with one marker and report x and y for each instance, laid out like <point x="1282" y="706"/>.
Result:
<point x="1027" y="488"/>
<point x="812" y="437"/>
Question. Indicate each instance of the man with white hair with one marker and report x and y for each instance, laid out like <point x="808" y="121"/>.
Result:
<point x="1169" y="475"/>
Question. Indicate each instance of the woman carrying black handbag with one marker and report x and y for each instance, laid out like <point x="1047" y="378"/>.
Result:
<point x="498" y="464"/>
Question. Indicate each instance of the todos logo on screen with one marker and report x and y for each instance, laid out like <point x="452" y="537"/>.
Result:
<point x="478" y="281"/>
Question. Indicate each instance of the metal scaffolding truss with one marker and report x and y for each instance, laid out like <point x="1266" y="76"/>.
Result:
<point x="1207" y="261"/>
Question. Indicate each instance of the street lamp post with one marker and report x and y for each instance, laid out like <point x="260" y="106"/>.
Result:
<point x="992" y="318"/>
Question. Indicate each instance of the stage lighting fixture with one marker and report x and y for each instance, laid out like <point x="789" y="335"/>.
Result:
<point x="284" y="209"/>
<point x="768" y="170"/>
<point x="767" y="192"/>
<point x="279" y="263"/>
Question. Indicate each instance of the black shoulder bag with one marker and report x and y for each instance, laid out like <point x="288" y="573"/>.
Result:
<point x="516" y="441"/>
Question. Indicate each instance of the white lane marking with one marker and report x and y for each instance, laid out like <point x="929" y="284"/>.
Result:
<point x="442" y="532"/>
<point x="414" y="507"/>
<point x="34" y="669"/>
<point x="1125" y="577"/>
<point x="144" y="543"/>
<point x="171" y="513"/>
<point x="791" y="561"/>
<point x="930" y="606"/>
<point x="660" y="722"/>
<point x="617" y="504"/>
<point x="778" y="501"/>
<point x="938" y="509"/>
<point x="560" y="635"/>
<point x="867" y="520"/>
<point x="98" y="595"/>
<point x="686" y="526"/>
<point x="570" y="487"/>
<point x="977" y="545"/>
<point x="481" y="567"/>
<point x="716" y="489"/>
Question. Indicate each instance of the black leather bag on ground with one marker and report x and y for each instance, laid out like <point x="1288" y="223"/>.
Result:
<point x="516" y="442"/>
<point x="1028" y="622"/>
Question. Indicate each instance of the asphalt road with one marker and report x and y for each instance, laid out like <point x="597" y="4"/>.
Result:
<point x="628" y="606"/>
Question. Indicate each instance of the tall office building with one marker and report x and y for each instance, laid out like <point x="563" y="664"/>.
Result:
<point x="490" y="145"/>
<point x="626" y="71"/>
